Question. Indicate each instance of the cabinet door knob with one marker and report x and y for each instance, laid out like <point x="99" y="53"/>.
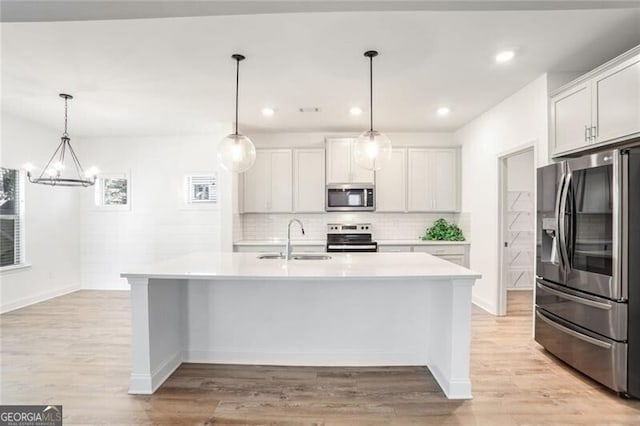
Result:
<point x="594" y="133"/>
<point x="586" y="132"/>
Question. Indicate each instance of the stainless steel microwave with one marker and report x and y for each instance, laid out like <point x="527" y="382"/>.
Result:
<point x="346" y="197"/>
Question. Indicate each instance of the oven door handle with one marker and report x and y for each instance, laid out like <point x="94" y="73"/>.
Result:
<point x="580" y="300"/>
<point x="574" y="333"/>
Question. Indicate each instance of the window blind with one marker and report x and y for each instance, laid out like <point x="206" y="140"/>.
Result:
<point x="11" y="218"/>
<point x="202" y="189"/>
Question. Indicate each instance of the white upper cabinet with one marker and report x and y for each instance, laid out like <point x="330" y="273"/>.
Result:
<point x="571" y="118"/>
<point x="268" y="184"/>
<point x="445" y="166"/>
<point x="391" y="188"/>
<point x="419" y="182"/>
<point x="341" y="165"/>
<point x="433" y="182"/>
<point x="617" y="110"/>
<point x="308" y="181"/>
<point x="599" y="108"/>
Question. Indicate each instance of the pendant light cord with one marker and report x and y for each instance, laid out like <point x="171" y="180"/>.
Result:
<point x="237" y="84"/>
<point x="65" y="134"/>
<point x="371" y="93"/>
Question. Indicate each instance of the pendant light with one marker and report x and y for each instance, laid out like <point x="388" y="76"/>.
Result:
<point x="372" y="149"/>
<point x="63" y="168"/>
<point x="236" y="152"/>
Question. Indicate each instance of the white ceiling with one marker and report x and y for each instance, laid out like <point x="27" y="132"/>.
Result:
<point x="175" y="75"/>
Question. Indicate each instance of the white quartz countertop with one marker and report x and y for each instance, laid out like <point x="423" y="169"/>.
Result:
<point x="419" y="242"/>
<point x="303" y="242"/>
<point x="341" y="265"/>
<point x="280" y="242"/>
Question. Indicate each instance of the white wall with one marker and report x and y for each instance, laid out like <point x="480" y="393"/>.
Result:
<point x="518" y="120"/>
<point x="159" y="224"/>
<point x="51" y="216"/>
<point x="521" y="172"/>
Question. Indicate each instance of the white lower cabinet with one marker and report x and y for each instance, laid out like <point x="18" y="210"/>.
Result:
<point x="454" y="253"/>
<point x="394" y="249"/>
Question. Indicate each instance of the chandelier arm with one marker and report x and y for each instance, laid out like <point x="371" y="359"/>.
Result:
<point x="76" y="162"/>
<point x="46" y="167"/>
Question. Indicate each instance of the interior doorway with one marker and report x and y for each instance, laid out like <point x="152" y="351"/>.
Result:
<point x="517" y="230"/>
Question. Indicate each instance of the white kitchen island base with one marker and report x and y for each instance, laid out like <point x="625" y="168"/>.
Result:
<point x="315" y="313"/>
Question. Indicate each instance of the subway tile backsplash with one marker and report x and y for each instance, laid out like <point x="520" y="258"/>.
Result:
<point x="386" y="226"/>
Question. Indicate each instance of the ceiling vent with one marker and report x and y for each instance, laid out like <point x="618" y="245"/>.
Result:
<point x="309" y="109"/>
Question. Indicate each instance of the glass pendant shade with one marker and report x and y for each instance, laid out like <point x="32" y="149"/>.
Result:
<point x="236" y="153"/>
<point x="372" y="150"/>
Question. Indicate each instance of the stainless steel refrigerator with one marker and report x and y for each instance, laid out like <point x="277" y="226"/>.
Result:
<point x="588" y="266"/>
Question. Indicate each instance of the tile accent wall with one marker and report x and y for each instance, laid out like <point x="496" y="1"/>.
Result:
<point x="386" y="226"/>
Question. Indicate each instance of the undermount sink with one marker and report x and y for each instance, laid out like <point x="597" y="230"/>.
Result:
<point x="310" y="257"/>
<point x="296" y="256"/>
<point x="271" y="256"/>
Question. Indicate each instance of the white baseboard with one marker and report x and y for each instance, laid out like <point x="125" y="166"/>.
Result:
<point x="343" y="359"/>
<point x="484" y="304"/>
<point x="36" y="298"/>
<point x="453" y="389"/>
<point x="146" y="384"/>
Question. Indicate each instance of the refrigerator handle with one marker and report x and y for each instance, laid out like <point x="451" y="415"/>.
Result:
<point x="562" y="231"/>
<point x="557" y="239"/>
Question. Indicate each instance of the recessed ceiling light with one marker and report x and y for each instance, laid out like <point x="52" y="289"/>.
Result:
<point x="355" y="111"/>
<point x="442" y="111"/>
<point x="505" y="56"/>
<point x="268" y="112"/>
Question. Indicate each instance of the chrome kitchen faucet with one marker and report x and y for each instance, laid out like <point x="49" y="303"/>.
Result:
<point x="289" y="236"/>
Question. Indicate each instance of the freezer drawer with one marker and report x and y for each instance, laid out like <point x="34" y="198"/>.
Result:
<point x="594" y="313"/>
<point x="602" y="359"/>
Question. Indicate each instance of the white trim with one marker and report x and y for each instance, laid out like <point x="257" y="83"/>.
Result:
<point x="454" y="388"/>
<point x="598" y="70"/>
<point x="484" y="304"/>
<point x="146" y="384"/>
<point x="41" y="297"/>
<point x="501" y="295"/>
<point x="317" y="359"/>
<point x="204" y="205"/>
<point x="16" y="268"/>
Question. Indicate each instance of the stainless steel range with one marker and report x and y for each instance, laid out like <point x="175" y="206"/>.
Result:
<point x="350" y="238"/>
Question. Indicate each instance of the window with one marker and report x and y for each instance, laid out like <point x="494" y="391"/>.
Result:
<point x="113" y="191"/>
<point x="202" y="189"/>
<point x="11" y="218"/>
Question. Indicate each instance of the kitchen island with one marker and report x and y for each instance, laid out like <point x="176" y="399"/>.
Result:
<point x="358" y="309"/>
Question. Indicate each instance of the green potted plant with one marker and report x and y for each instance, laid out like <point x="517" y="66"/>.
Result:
<point x="443" y="231"/>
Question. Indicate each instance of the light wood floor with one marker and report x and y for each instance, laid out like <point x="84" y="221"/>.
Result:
<point x="74" y="350"/>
